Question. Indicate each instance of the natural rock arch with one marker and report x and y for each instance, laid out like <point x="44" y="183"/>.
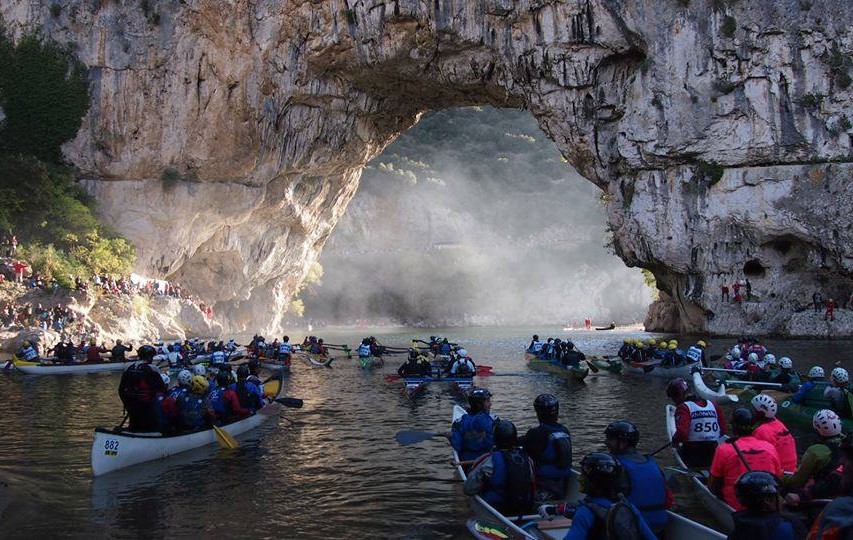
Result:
<point x="716" y="129"/>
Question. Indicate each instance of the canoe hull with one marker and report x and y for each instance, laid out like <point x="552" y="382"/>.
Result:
<point x="611" y="366"/>
<point x="662" y="372"/>
<point x="573" y="373"/>
<point x="70" y="369"/>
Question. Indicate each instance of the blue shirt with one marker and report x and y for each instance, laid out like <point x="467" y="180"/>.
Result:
<point x="584" y="519"/>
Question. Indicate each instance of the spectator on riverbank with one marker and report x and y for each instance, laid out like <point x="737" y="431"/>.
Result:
<point x="748" y="287"/>
<point x="19" y="267"/>
<point x="830" y="310"/>
<point x="724" y="294"/>
<point x="817" y="300"/>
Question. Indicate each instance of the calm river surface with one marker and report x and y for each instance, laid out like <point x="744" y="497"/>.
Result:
<point x="331" y="469"/>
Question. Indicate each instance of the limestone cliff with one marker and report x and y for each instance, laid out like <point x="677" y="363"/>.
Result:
<point x="226" y="138"/>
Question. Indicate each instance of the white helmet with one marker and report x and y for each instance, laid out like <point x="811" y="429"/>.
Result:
<point x="166" y="379"/>
<point x="816" y="371"/>
<point x="840" y="376"/>
<point x="752" y="358"/>
<point x="185" y="378"/>
<point x="765" y="404"/>
<point x="786" y="363"/>
<point x="770" y="359"/>
<point x="735" y="352"/>
<point x="826" y="423"/>
<point x="198" y="369"/>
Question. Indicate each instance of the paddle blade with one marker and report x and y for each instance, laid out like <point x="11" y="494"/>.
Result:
<point x="392" y="378"/>
<point x="293" y="403"/>
<point x="225" y="439"/>
<point x="592" y="366"/>
<point x="405" y="438"/>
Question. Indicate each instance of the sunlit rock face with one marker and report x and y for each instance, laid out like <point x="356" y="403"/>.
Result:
<point x="226" y="138"/>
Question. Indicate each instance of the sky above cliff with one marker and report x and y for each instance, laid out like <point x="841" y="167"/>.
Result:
<point x="473" y="217"/>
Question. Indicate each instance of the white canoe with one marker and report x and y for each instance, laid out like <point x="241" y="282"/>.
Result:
<point x="719" y="510"/>
<point x="316" y="360"/>
<point x="679" y="527"/>
<point x="719" y="396"/>
<point x="35" y="368"/>
<point x="660" y="371"/>
<point x="117" y="449"/>
<point x="268" y="363"/>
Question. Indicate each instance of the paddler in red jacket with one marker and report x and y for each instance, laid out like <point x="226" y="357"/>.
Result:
<point x="699" y="424"/>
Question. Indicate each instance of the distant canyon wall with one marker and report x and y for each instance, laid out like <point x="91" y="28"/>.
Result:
<point x="225" y="139"/>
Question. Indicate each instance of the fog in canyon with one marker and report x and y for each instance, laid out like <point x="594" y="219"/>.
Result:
<point x="473" y="217"/>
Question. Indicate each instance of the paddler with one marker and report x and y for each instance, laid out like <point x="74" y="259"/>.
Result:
<point x="696" y="353"/>
<point x="787" y="377"/>
<point x="535" y="346"/>
<point x="811" y="392"/>
<point x="838" y="393"/>
<point x="699" y="424"/>
<point x="139" y="387"/>
<point x="770" y="429"/>
<point x="550" y="446"/>
<point x="473" y="434"/>
<point x="194" y="409"/>
<point x="285" y="349"/>
<point x="816" y="477"/>
<point x="119" y="350"/>
<point x="572" y="357"/>
<point x="643" y="482"/>
<point x="836" y="520"/>
<point x="758" y="492"/>
<point x="504" y="477"/>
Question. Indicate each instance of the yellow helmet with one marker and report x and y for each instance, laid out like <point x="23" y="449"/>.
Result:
<point x="673" y="341"/>
<point x="627" y="341"/>
<point x="641" y="345"/>
<point x="199" y="384"/>
<point x="672" y="345"/>
<point x="701" y="343"/>
<point x="650" y="342"/>
<point x="662" y="344"/>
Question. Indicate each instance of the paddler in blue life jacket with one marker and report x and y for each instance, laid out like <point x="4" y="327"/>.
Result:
<point x="472" y="435"/>
<point x="28" y="352"/>
<point x="225" y="401"/>
<point x="696" y="353"/>
<point x="217" y="356"/>
<point x="550" y="446"/>
<point x="166" y="408"/>
<point x="758" y="492"/>
<point x="185" y="380"/>
<point x="445" y="348"/>
<point x="811" y="392"/>
<point x="285" y="350"/>
<point x="249" y="393"/>
<point x="643" y="483"/>
<point x="462" y="365"/>
<point x="194" y="410"/>
<point x="504" y="477"/>
<point x="626" y="349"/>
<point x="364" y="349"/>
<point x="535" y="346"/>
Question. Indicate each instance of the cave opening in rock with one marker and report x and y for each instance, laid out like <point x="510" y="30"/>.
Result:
<point x="474" y="217"/>
<point x="754" y="269"/>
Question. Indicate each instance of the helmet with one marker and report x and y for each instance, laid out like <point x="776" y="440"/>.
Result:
<point x="742" y="421"/>
<point x="185" y="378"/>
<point x="752" y="358"/>
<point x="764" y="404"/>
<point x="677" y="389"/>
<point x="243" y="371"/>
<point x="570" y="345"/>
<point x="546" y="406"/>
<point x="623" y="430"/>
<point x="223" y="378"/>
<point x="770" y="359"/>
<point x="701" y="343"/>
<point x="816" y="371"/>
<point x="166" y="379"/>
<point x="786" y="363"/>
<point x="535" y="337"/>
<point x="735" y="352"/>
<point x="826" y="423"/>
<point x="650" y="342"/>
<point x="600" y="469"/>
<point x="199" y="369"/>
<point x="754" y="486"/>
<point x="840" y="376"/>
<point x="641" y="345"/>
<point x="506" y="435"/>
<point x="199" y="384"/>
<point x="146" y="352"/>
<point x="672" y="346"/>
<point x="477" y="397"/>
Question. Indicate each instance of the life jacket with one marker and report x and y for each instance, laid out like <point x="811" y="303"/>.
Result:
<point x="835" y="522"/>
<point x="174" y="359"/>
<point x="29" y="353"/>
<point x="364" y="350"/>
<point x="475" y="442"/>
<point x="753" y="526"/>
<point x="167" y="412"/>
<point x="619" y="521"/>
<point x="825" y="482"/>
<point x="775" y="432"/>
<point x="536" y="347"/>
<point x="511" y="485"/>
<point x="191" y="411"/>
<point x="136" y="384"/>
<point x="694" y="353"/>
<point x="285" y="348"/>
<point x="217" y="357"/>
<point x="177" y="392"/>
<point x="217" y="401"/>
<point x="463" y="366"/>
<point x="248" y="395"/>
<point x="556" y="461"/>
<point x="647" y="490"/>
<point x="444" y="348"/>
<point x="704" y="423"/>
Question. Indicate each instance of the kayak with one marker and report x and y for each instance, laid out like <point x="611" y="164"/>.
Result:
<point x="577" y="373"/>
<point x="612" y="365"/>
<point x="114" y="449"/>
<point x="494" y="525"/>
<point x="369" y="362"/>
<point x="653" y="368"/>
<point x="716" y="507"/>
<point x="37" y="368"/>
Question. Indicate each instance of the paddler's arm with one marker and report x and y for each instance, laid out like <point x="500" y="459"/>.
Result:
<point x="806" y="470"/>
<point x="479" y="476"/>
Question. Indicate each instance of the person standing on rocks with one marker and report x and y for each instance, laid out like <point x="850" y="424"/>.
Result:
<point x="830" y="309"/>
<point x="724" y="295"/>
<point x="817" y="300"/>
<point x="748" y="287"/>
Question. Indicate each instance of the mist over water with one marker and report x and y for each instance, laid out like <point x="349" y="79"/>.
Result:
<point x="473" y="218"/>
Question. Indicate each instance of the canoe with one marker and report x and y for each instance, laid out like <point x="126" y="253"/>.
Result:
<point x="497" y="525"/>
<point x="461" y="386"/>
<point x="654" y="369"/>
<point x="274" y="365"/>
<point x="611" y="365"/>
<point x="315" y="360"/>
<point x="799" y="417"/>
<point x="716" y="507"/>
<point x="36" y="368"/>
<point x="114" y="449"/>
<point x="577" y="373"/>
<point x="415" y="387"/>
<point x="236" y="354"/>
<point x="368" y="362"/>
<point x="718" y="396"/>
<point x="611" y="327"/>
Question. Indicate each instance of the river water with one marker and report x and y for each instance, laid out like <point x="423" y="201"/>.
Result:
<point x="330" y="469"/>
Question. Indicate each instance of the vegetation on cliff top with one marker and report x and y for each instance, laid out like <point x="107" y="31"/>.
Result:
<point x="43" y="97"/>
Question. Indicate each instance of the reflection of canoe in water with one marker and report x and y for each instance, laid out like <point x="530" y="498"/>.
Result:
<point x="577" y="373"/>
<point x="368" y="362"/>
<point x="719" y="510"/>
<point x="36" y="368"/>
<point x="116" y="449"/>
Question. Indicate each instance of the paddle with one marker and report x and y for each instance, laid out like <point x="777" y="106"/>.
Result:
<point x="756" y="383"/>
<point x="592" y="366"/>
<point x="392" y="378"/>
<point x="406" y="438"/>
<point x="294" y="403"/>
<point x="662" y="448"/>
<point x="735" y="371"/>
<point x="225" y="439"/>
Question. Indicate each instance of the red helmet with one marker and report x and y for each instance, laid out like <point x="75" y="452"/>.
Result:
<point x="677" y="389"/>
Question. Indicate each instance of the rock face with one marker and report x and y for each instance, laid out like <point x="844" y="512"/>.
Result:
<point x="226" y="138"/>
